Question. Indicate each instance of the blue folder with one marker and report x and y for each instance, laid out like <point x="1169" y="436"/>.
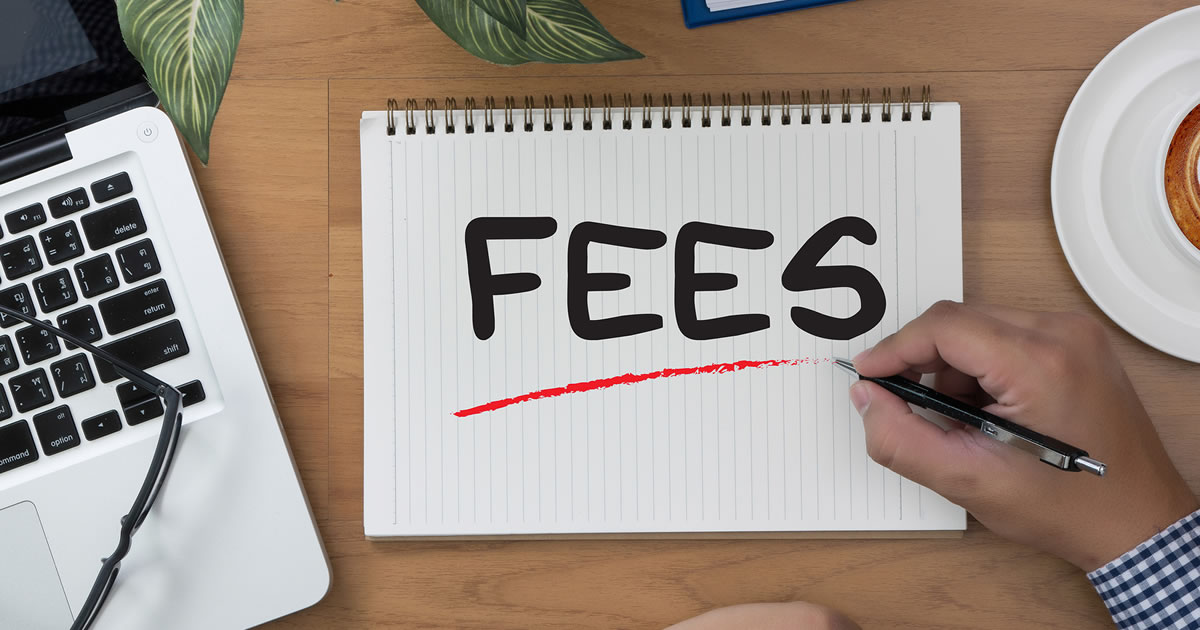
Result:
<point x="696" y="13"/>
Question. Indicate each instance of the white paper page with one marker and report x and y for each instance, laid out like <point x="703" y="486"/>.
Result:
<point x="685" y="445"/>
<point x="724" y="5"/>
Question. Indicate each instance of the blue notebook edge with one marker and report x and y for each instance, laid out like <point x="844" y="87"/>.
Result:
<point x="696" y="12"/>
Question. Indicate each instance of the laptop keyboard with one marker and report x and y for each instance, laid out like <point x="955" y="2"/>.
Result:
<point x="55" y="256"/>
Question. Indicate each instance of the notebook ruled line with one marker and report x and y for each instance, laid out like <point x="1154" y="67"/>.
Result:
<point x="536" y="428"/>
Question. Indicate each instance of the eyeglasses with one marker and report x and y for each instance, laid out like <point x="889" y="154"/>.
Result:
<point x="160" y="463"/>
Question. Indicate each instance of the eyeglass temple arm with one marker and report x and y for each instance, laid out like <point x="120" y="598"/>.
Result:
<point x="137" y="376"/>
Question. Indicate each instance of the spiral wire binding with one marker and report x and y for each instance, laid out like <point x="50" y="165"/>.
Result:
<point x="410" y="116"/>
<point x="665" y="113"/>
<point x="451" y="106"/>
<point x="528" y="113"/>
<point x="469" y="109"/>
<point x="392" y="106"/>
<point x="430" y="124"/>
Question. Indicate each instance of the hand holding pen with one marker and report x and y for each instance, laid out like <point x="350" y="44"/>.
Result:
<point x="1047" y="374"/>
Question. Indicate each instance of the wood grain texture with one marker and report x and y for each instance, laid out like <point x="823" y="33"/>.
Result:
<point x="393" y="38"/>
<point x="283" y="193"/>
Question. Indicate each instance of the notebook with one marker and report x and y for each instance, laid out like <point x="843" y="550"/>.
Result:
<point x="703" y="12"/>
<point x="610" y="316"/>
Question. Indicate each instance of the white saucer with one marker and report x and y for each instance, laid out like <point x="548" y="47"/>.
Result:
<point x="1106" y="185"/>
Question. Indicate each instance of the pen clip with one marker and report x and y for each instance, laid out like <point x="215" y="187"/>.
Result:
<point x="1048" y="455"/>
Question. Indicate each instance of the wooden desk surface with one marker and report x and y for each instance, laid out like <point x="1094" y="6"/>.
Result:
<point x="283" y="193"/>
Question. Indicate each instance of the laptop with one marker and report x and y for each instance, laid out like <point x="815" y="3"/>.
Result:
<point x="103" y="233"/>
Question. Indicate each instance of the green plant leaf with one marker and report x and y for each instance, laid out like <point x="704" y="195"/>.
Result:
<point x="559" y="31"/>
<point x="476" y="30"/>
<point x="510" y="13"/>
<point x="564" y="31"/>
<point x="187" y="49"/>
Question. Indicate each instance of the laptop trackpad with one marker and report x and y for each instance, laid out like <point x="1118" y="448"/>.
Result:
<point x="31" y="595"/>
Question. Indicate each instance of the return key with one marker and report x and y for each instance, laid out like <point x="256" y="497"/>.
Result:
<point x="128" y="310"/>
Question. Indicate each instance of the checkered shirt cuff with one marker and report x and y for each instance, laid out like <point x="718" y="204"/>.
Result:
<point x="1157" y="584"/>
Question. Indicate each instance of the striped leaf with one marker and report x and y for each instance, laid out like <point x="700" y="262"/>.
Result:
<point x="558" y="31"/>
<point x="510" y="13"/>
<point x="476" y="30"/>
<point x="186" y="48"/>
<point x="564" y="31"/>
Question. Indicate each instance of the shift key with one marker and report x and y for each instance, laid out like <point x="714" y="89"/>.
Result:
<point x="145" y="349"/>
<point x="113" y="224"/>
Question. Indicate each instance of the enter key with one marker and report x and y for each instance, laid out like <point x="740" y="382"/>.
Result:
<point x="135" y="307"/>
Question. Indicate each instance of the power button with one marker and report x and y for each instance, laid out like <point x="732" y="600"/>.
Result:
<point x="147" y="132"/>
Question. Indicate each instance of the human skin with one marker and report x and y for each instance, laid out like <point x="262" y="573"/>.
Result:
<point x="1055" y="373"/>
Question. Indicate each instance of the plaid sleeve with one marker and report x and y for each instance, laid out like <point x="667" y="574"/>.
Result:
<point x="1157" y="584"/>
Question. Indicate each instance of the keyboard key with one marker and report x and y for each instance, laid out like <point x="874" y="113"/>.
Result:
<point x="128" y="310"/>
<point x="96" y="275"/>
<point x="8" y="356"/>
<point x="67" y="203"/>
<point x="20" y="258"/>
<point x="138" y="261"/>
<point x="25" y="218"/>
<point x="6" y="411"/>
<point x="55" y="290"/>
<point x="145" y="349"/>
<point x="16" y="446"/>
<point x="61" y="242"/>
<point x="99" y="426"/>
<point x="193" y="393"/>
<point x="113" y="224"/>
<point x="17" y="298"/>
<point x="140" y="412"/>
<point x="72" y="375"/>
<point x="56" y="430"/>
<point x="82" y="323"/>
<point x="129" y="393"/>
<point x="112" y="187"/>
<point x="36" y="344"/>
<point x="31" y="390"/>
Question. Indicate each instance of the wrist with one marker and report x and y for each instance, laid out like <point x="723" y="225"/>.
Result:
<point x="1141" y="526"/>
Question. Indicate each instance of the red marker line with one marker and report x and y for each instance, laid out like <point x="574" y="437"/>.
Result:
<point x="629" y="379"/>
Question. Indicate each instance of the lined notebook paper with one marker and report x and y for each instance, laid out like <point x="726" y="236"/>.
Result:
<point x="531" y="427"/>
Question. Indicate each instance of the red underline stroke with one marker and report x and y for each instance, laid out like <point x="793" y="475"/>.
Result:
<point x="629" y="379"/>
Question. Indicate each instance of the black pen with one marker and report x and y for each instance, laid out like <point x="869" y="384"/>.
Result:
<point x="1058" y="454"/>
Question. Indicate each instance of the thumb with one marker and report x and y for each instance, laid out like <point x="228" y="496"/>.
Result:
<point x="908" y="444"/>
